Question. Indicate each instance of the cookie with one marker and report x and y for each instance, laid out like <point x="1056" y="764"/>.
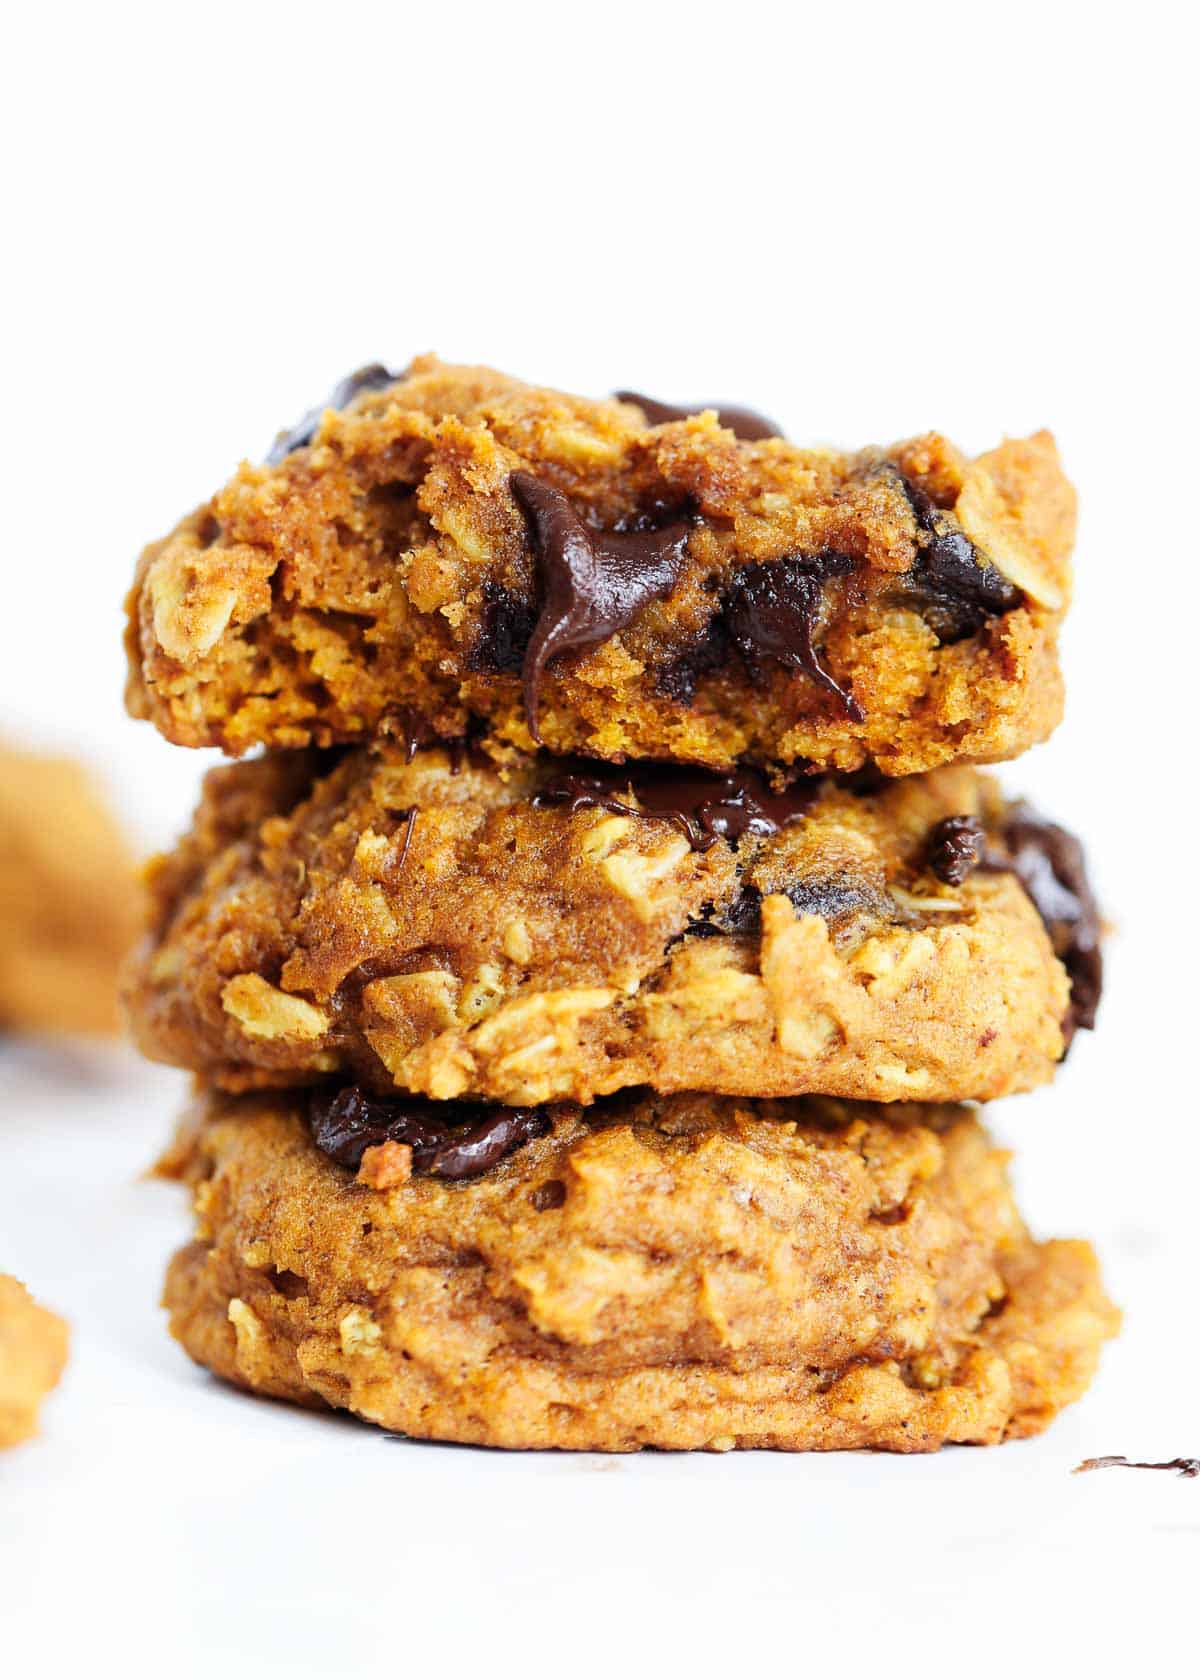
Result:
<point x="676" y="1272"/>
<point x="69" y="907"/>
<point x="566" y="573"/>
<point x="33" y="1351"/>
<point x="424" y="920"/>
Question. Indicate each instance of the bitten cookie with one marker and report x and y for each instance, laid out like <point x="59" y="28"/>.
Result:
<point x="452" y="540"/>
<point x="673" y="1272"/>
<point x="424" y="920"/>
<point x="69" y="908"/>
<point x="33" y="1351"/>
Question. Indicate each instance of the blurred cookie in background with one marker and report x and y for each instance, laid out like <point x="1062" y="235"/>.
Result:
<point x="69" y="899"/>
<point x="33" y="1351"/>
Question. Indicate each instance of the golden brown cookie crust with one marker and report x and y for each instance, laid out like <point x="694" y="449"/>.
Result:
<point x="388" y="564"/>
<point x="69" y="907"/>
<point x="685" y="1272"/>
<point x="33" y="1351"/>
<point x="488" y="947"/>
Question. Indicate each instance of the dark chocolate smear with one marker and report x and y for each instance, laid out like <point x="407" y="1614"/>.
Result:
<point x="709" y="652"/>
<point x="955" y="847"/>
<point x="705" y="807"/>
<point x="1049" y="863"/>
<point x="373" y="377"/>
<point x="448" y="1139"/>
<point x="954" y="584"/>
<point x="742" y="422"/>
<point x="593" y="583"/>
<point x="506" y="625"/>
<point x="771" y="610"/>
<point x="1187" y="1467"/>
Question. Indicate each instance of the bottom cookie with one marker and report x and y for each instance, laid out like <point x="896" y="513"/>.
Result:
<point x="33" y="1351"/>
<point x="676" y="1272"/>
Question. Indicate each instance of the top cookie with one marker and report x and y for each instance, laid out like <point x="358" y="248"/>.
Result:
<point x="483" y="552"/>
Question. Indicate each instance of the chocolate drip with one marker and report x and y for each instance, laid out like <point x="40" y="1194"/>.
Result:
<point x="374" y="377"/>
<point x="771" y="610"/>
<point x="448" y="1139"/>
<point x="1187" y="1467"/>
<point x="416" y="734"/>
<point x="593" y="583"/>
<point x="1049" y="863"/>
<point x="703" y="806"/>
<point x="742" y="422"/>
<point x="954" y="848"/>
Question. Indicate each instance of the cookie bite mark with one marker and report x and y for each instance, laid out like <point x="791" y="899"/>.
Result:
<point x="373" y="377"/>
<point x="594" y="583"/>
<point x="445" y="1139"/>
<point x="703" y="806"/>
<point x="744" y="423"/>
<point x="772" y="612"/>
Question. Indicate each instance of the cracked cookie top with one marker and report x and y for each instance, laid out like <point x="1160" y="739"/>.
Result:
<point x="567" y="573"/>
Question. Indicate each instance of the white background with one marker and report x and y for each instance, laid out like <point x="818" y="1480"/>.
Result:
<point x="865" y="221"/>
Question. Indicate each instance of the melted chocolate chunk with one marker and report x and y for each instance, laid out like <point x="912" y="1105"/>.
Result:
<point x="506" y="625"/>
<point x="710" y="651"/>
<point x="955" y="847"/>
<point x="1187" y="1467"/>
<point x="703" y="806"/>
<point x="374" y="377"/>
<point x="742" y="422"/>
<point x="448" y="1139"/>
<point x="1050" y="865"/>
<point x="956" y="586"/>
<point x="834" y="897"/>
<point x="594" y="583"/>
<point x="771" y="610"/>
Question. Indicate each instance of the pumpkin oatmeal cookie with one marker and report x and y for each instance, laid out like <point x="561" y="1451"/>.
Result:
<point x="680" y="1272"/>
<point x="69" y="908"/>
<point x="426" y="920"/>
<point x="572" y="575"/>
<point x="33" y="1351"/>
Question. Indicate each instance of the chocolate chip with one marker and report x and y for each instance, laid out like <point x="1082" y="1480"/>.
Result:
<point x="593" y="583"/>
<point x="550" y="1195"/>
<point x="448" y="1139"/>
<point x="290" y="1285"/>
<point x="1049" y="863"/>
<point x="771" y="610"/>
<point x="954" y="848"/>
<point x="677" y="678"/>
<point x="374" y="377"/>
<point x="956" y="586"/>
<point x="704" y="806"/>
<point x="1187" y="1467"/>
<point x="506" y="624"/>
<point x="742" y="422"/>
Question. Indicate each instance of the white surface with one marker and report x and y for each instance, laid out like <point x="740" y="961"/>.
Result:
<point x="865" y="222"/>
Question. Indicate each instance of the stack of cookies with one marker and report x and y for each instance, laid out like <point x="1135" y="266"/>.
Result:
<point x="585" y="977"/>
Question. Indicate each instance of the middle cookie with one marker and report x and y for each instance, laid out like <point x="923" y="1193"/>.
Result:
<point x="424" y="920"/>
